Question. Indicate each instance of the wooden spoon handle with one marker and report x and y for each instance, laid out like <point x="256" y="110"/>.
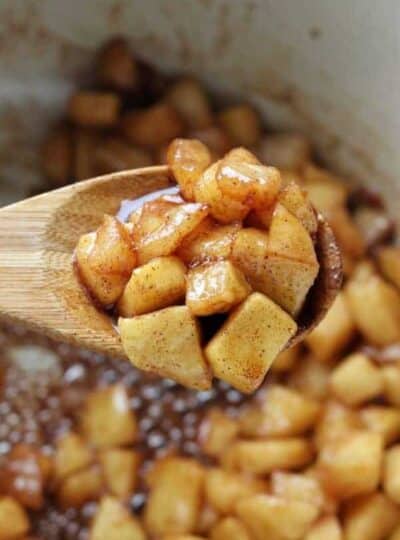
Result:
<point x="37" y="239"/>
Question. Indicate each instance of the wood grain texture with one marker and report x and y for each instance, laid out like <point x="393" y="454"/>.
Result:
<point x="38" y="282"/>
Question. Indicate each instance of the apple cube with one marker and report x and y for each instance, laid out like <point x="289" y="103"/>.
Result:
<point x="188" y="159"/>
<point x="190" y="99"/>
<point x="370" y="518"/>
<point x="242" y="124"/>
<point x="14" y="522"/>
<point x="215" y="288"/>
<point x="107" y="419"/>
<point x="265" y="456"/>
<point x="120" y="469"/>
<point x="356" y="379"/>
<point x="229" y="527"/>
<point x="290" y="151"/>
<point x="250" y="183"/>
<point x="165" y="239"/>
<point x="388" y="258"/>
<point x="176" y="487"/>
<point x="272" y="517"/>
<point x="167" y="342"/>
<point x="311" y="378"/>
<point x="80" y="487"/>
<point x="295" y="200"/>
<point x="157" y="284"/>
<point x="334" y="332"/>
<point x="207" y="191"/>
<point x="391" y="470"/>
<point x="282" y="413"/>
<point x="375" y="306"/>
<point x="383" y="420"/>
<point x="209" y="242"/>
<point x="217" y="431"/>
<point x="114" y="522"/>
<point x="352" y="464"/>
<point x="326" y="528"/>
<point x="223" y="489"/>
<point x="72" y="454"/>
<point x="243" y="349"/>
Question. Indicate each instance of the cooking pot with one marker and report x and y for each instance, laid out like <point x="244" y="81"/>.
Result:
<point x="330" y="69"/>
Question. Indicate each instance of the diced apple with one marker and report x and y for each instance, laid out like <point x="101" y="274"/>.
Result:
<point x="356" y="380"/>
<point x="188" y="159"/>
<point x="289" y="151"/>
<point x="105" y="288"/>
<point x="120" y="470"/>
<point x="80" y="487"/>
<point x="388" y="258"/>
<point x="352" y="464"/>
<point x="310" y="377"/>
<point x="242" y="123"/>
<point x="370" y="518"/>
<point x="217" y="431"/>
<point x="242" y="351"/>
<point x="325" y="190"/>
<point x="175" y="498"/>
<point x="107" y="418"/>
<point x="14" y="522"/>
<point x="190" y="99"/>
<point x="375" y="306"/>
<point x="72" y="454"/>
<point x="326" y="528"/>
<point x="209" y="242"/>
<point x="250" y="183"/>
<point x="293" y="198"/>
<point x="286" y="281"/>
<point x="167" y="342"/>
<point x="334" y="332"/>
<point x="288" y="237"/>
<point x="383" y="420"/>
<point x="157" y="284"/>
<point x="229" y="527"/>
<point x="114" y="522"/>
<point x="224" y="489"/>
<point x="281" y="413"/>
<point x="164" y="240"/>
<point x="269" y="517"/>
<point x="264" y="456"/>
<point x="207" y="191"/>
<point x="215" y="288"/>
<point x="298" y="487"/>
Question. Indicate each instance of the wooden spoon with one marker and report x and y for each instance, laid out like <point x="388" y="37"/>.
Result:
<point x="38" y="284"/>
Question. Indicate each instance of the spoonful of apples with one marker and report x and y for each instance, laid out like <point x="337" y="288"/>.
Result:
<point x="249" y="249"/>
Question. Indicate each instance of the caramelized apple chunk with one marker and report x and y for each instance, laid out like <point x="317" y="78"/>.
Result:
<point x="107" y="419"/>
<point x="166" y="238"/>
<point x="242" y="351"/>
<point x="215" y="288"/>
<point x="208" y="242"/>
<point x="221" y="207"/>
<point x="251" y="183"/>
<point x="188" y="159"/>
<point x="105" y="260"/>
<point x="14" y="521"/>
<point x="157" y="284"/>
<point x="167" y="342"/>
<point x="175" y="497"/>
<point x="114" y="522"/>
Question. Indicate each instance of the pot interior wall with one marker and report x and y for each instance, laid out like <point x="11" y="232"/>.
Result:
<point x="331" y="70"/>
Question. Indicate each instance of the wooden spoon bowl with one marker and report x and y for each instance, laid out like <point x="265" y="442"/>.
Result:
<point x="38" y="284"/>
